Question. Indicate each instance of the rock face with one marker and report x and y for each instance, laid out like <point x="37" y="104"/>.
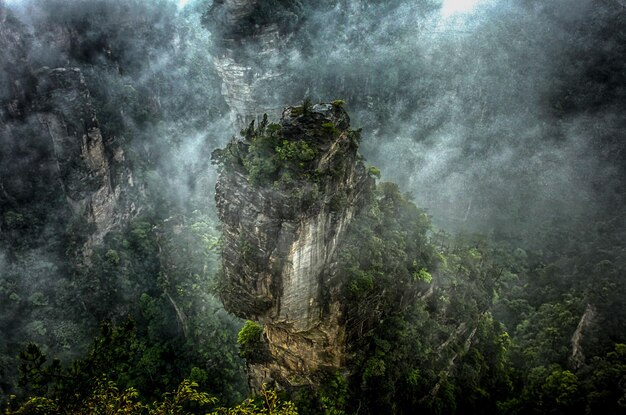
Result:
<point x="15" y="45"/>
<point x="280" y="245"/>
<point x="577" y="358"/>
<point x="60" y="121"/>
<point x="60" y="179"/>
<point x="250" y="37"/>
<point x="69" y="121"/>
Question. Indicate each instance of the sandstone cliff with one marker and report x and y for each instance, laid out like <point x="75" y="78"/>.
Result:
<point x="69" y="121"/>
<point x="250" y="36"/>
<point x="281" y="234"/>
<point x="74" y="168"/>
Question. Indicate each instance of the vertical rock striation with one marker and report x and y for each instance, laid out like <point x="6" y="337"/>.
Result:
<point x="68" y="120"/>
<point x="281" y="238"/>
<point x="59" y="121"/>
<point x="577" y="358"/>
<point x="250" y="36"/>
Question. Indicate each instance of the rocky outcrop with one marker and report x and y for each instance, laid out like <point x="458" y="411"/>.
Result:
<point x="577" y="358"/>
<point x="58" y="125"/>
<point x="67" y="117"/>
<point x="250" y="36"/>
<point x="59" y="177"/>
<point x="15" y="45"/>
<point x="280" y="243"/>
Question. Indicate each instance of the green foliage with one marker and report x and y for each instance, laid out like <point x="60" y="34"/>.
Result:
<point x="330" y="130"/>
<point x="261" y="163"/>
<point x="35" y="406"/>
<point x="605" y="386"/>
<point x="160" y="269"/>
<point x="110" y="354"/>
<point x="338" y="103"/>
<point x="295" y="151"/>
<point x="106" y="398"/>
<point x="267" y="157"/>
<point x="355" y="137"/>
<point x="374" y="368"/>
<point x="112" y="360"/>
<point x="561" y="387"/>
<point x="267" y="403"/>
<point x="423" y="275"/>
<point x="385" y="243"/>
<point x="227" y="157"/>
<point x="112" y="257"/>
<point x="175" y="402"/>
<point x="161" y="272"/>
<point x="296" y="111"/>
<point x="304" y="109"/>
<point x="249" y="333"/>
<point x="334" y="395"/>
<point x="249" y="339"/>
<point x="411" y="300"/>
<point x="34" y="375"/>
<point x="373" y="171"/>
<point x="307" y="106"/>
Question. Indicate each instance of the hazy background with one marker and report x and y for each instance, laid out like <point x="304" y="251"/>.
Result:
<point x="495" y="115"/>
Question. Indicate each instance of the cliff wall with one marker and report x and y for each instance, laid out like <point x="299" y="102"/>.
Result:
<point x="250" y="37"/>
<point x="281" y="237"/>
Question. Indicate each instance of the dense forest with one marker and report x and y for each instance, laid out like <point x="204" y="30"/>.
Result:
<point x="483" y="266"/>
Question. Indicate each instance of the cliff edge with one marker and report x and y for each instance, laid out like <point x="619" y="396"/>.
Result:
<point x="285" y="196"/>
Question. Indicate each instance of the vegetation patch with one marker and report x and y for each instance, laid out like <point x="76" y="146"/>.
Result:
<point x="249" y="339"/>
<point x="269" y="158"/>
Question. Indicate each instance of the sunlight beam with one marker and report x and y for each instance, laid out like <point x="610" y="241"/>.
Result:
<point x="451" y="7"/>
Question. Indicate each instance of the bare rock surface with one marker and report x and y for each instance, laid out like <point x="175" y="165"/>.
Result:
<point x="281" y="244"/>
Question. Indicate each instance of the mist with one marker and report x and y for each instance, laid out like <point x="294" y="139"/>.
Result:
<point x="498" y="117"/>
<point x="495" y="118"/>
<point x="157" y="105"/>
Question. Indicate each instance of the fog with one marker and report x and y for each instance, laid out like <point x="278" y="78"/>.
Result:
<point x="493" y="114"/>
<point x="501" y="117"/>
<point x="496" y="117"/>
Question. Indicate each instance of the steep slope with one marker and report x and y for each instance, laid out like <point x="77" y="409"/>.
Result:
<point x="99" y="190"/>
<point x="335" y="274"/>
<point x="250" y="36"/>
<point x="285" y="198"/>
<point x="56" y="166"/>
<point x="67" y="116"/>
<point x="74" y="166"/>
